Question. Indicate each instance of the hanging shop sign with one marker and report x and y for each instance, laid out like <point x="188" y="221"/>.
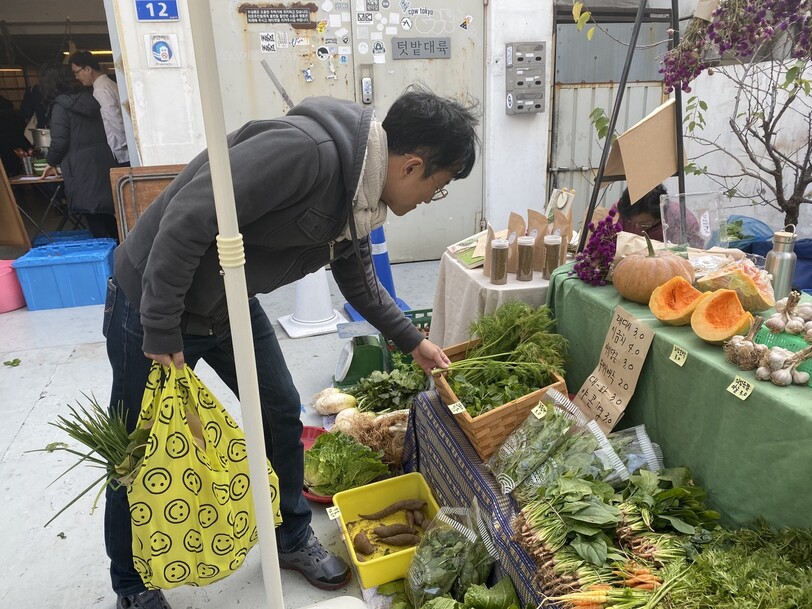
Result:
<point x="148" y="10"/>
<point x="421" y="48"/>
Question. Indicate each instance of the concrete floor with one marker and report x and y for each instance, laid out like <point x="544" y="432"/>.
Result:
<point x="62" y="355"/>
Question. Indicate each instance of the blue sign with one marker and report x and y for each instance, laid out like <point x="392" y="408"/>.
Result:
<point x="162" y="10"/>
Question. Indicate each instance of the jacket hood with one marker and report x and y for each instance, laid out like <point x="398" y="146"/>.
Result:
<point x="81" y="102"/>
<point x="348" y="123"/>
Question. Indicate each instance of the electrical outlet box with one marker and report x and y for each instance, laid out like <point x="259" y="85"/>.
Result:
<point x="525" y="77"/>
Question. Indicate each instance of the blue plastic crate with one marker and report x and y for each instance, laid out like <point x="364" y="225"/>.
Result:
<point x="67" y="274"/>
<point x="62" y="236"/>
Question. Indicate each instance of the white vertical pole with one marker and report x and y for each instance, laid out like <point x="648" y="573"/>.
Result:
<point x="232" y="260"/>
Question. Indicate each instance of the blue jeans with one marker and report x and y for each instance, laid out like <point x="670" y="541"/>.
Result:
<point x="280" y="419"/>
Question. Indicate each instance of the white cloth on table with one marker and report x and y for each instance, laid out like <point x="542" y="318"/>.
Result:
<point x="464" y="294"/>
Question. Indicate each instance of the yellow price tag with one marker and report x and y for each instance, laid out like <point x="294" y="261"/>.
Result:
<point x="540" y="410"/>
<point x="741" y="388"/>
<point x="456" y="407"/>
<point x="678" y="356"/>
<point x="333" y="512"/>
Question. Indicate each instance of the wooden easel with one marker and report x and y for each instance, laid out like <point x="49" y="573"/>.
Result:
<point x="12" y="229"/>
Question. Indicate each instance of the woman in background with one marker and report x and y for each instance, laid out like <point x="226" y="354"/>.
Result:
<point x="644" y="215"/>
<point x="79" y="146"/>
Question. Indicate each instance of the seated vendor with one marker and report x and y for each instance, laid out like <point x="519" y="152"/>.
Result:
<point x="644" y="215"/>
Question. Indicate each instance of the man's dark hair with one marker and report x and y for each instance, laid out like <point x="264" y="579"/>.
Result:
<point x="439" y="130"/>
<point x="84" y="59"/>
<point x="56" y="79"/>
<point x="649" y="203"/>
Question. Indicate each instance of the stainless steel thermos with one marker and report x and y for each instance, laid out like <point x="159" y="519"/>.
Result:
<point x="781" y="261"/>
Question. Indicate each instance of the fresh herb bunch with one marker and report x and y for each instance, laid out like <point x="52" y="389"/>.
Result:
<point x="593" y="264"/>
<point x="119" y="453"/>
<point x="385" y="391"/>
<point x="481" y="398"/>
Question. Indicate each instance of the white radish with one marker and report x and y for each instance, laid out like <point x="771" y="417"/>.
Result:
<point x="332" y="401"/>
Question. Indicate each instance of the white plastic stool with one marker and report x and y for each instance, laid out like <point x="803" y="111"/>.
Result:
<point x="313" y="311"/>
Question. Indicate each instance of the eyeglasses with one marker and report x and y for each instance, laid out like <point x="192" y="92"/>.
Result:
<point x="77" y="70"/>
<point x="440" y="193"/>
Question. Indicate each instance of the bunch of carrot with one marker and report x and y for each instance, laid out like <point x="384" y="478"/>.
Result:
<point x="604" y="596"/>
<point x="638" y="576"/>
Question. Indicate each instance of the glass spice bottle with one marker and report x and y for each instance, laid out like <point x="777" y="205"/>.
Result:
<point x="552" y="251"/>
<point x="524" y="270"/>
<point x="499" y="261"/>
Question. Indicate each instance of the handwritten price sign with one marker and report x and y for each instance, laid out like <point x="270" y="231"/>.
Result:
<point x="678" y="356"/>
<point x="741" y="388"/>
<point x="607" y="391"/>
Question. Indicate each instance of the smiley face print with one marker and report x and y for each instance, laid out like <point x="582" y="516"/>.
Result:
<point x="205" y="571"/>
<point x="205" y="399"/>
<point x="221" y="492"/>
<point x="239" y="486"/>
<point x="240" y="524"/>
<point x="192" y="481"/>
<point x="236" y="450"/>
<point x="207" y="515"/>
<point x="177" y="511"/>
<point x="159" y="543"/>
<point x="213" y="433"/>
<point x="193" y="541"/>
<point x="140" y="513"/>
<point x="176" y="571"/>
<point x="166" y="410"/>
<point x="239" y="558"/>
<point x="222" y="544"/>
<point x="177" y="445"/>
<point x="157" y="480"/>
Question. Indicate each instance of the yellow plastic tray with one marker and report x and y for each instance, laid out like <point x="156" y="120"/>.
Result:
<point x="372" y="498"/>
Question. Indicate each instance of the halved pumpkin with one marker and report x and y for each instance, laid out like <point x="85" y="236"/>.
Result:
<point x="674" y="301"/>
<point x="751" y="284"/>
<point x="719" y="317"/>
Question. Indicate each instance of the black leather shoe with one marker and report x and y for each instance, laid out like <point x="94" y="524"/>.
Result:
<point x="321" y="568"/>
<point x="148" y="599"/>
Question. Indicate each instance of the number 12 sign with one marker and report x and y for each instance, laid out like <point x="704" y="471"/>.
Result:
<point x="163" y="10"/>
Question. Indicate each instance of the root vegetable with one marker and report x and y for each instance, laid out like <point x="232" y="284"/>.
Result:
<point x="393" y="529"/>
<point x="418" y="517"/>
<point x="404" y="539"/>
<point x="405" y="504"/>
<point x="362" y="544"/>
<point x="331" y="401"/>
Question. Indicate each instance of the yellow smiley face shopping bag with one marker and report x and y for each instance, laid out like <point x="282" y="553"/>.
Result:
<point x="191" y="507"/>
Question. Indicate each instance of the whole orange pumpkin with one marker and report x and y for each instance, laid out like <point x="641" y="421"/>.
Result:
<point x="637" y="275"/>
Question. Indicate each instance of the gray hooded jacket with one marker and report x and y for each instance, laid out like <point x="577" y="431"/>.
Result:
<point x="294" y="179"/>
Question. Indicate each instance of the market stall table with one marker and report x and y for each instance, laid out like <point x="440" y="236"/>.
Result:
<point x="754" y="457"/>
<point x="54" y="197"/>
<point x="463" y="295"/>
<point x="436" y="447"/>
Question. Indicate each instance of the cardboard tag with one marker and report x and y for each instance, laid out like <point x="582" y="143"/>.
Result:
<point x="456" y="407"/>
<point x="486" y="267"/>
<point x="678" y="356"/>
<point x="741" y="388"/>
<point x="333" y="512"/>
<point x="540" y="410"/>
<point x="562" y="225"/>
<point x="605" y="395"/>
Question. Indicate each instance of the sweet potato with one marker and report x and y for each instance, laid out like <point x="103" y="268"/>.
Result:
<point x="405" y="504"/>
<point x="393" y="529"/>
<point x="403" y="539"/>
<point x="362" y="544"/>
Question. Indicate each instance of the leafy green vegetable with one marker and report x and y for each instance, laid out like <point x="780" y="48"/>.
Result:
<point x="442" y="602"/>
<point x="528" y="447"/>
<point x="735" y="231"/>
<point x="384" y="391"/>
<point x="501" y="596"/>
<point x="436" y="564"/>
<point x="391" y="588"/>
<point x="12" y="363"/>
<point x="337" y="462"/>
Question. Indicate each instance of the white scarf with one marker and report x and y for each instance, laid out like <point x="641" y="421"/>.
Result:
<point x="368" y="211"/>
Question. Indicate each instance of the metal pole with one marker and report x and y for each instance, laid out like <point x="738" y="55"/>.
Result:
<point x="638" y="20"/>
<point x="232" y="260"/>
<point x="678" y="97"/>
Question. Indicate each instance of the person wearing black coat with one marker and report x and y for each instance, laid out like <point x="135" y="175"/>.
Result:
<point x="79" y="146"/>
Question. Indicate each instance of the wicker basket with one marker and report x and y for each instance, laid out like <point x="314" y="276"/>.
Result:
<point x="487" y="431"/>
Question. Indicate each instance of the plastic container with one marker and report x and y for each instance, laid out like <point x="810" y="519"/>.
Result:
<point x="11" y="294"/>
<point x="66" y="275"/>
<point x="703" y="226"/>
<point x="374" y="497"/>
<point x="524" y="269"/>
<point x="62" y="236"/>
<point x="552" y="254"/>
<point x="499" y="261"/>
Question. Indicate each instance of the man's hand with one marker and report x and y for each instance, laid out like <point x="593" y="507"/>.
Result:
<point x="48" y="171"/>
<point x="429" y="356"/>
<point x="168" y="359"/>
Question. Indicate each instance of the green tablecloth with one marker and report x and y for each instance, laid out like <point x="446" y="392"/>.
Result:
<point x="754" y="457"/>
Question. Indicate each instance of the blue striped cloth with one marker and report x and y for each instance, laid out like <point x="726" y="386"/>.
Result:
<point x="436" y="447"/>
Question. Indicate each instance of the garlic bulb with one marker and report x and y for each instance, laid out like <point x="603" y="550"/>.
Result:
<point x="780" y="305"/>
<point x="804" y="311"/>
<point x="781" y="377"/>
<point x="741" y="350"/>
<point x="794" y="326"/>
<point x="799" y="377"/>
<point x="776" y="323"/>
<point x="763" y="373"/>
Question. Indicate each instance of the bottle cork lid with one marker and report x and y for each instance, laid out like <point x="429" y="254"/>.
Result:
<point x="552" y="239"/>
<point x="784" y="237"/>
<point x="527" y="241"/>
<point x="500" y="244"/>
